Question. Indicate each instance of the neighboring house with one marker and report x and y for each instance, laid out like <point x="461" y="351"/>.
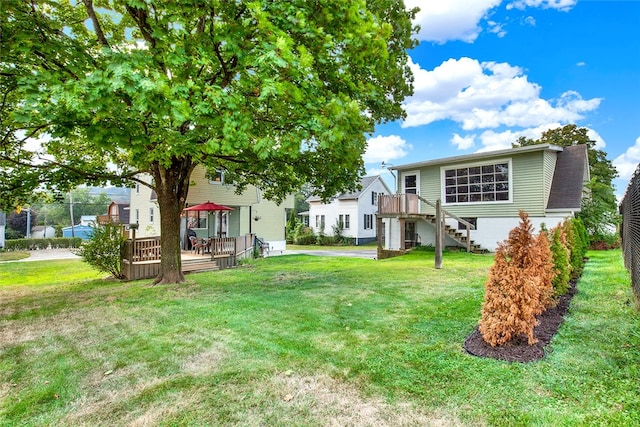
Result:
<point x="3" y="224"/>
<point x="251" y="213"/>
<point x="83" y="231"/>
<point x="355" y="211"/>
<point x="117" y="213"/>
<point x="42" y="232"/>
<point x="487" y="190"/>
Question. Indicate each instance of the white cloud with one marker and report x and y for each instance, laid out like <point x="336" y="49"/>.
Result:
<point x="627" y="162"/>
<point x="386" y="148"/>
<point x="530" y="20"/>
<point x="442" y="21"/>
<point x="563" y="5"/>
<point x="463" y="142"/>
<point x="487" y="95"/>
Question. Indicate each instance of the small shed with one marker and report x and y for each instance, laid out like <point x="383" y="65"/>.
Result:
<point x="83" y="231"/>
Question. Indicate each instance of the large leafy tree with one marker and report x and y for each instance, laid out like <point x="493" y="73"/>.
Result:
<point x="599" y="210"/>
<point x="275" y="93"/>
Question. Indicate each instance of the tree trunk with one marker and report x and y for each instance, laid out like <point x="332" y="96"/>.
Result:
<point x="172" y="187"/>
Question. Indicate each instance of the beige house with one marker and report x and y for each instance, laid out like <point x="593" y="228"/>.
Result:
<point x="251" y="213"/>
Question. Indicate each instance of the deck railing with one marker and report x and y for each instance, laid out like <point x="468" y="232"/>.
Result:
<point x="398" y="204"/>
<point x="144" y="249"/>
<point x="409" y="204"/>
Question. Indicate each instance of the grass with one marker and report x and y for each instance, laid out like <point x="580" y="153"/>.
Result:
<point x="302" y="340"/>
<point x="13" y="255"/>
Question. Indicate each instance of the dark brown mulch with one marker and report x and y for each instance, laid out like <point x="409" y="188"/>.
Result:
<point x="518" y="349"/>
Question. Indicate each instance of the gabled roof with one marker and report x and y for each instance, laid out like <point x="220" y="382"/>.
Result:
<point x="477" y="156"/>
<point x="572" y="170"/>
<point x="365" y="183"/>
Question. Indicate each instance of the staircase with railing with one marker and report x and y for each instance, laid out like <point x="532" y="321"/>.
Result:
<point x="407" y="206"/>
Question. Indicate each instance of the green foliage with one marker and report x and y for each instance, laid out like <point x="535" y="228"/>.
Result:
<point x="519" y="285"/>
<point x="561" y="264"/>
<point x="35" y="244"/>
<point x="291" y="227"/>
<point x="103" y="250"/>
<point x="17" y="222"/>
<point x="578" y="243"/>
<point x="599" y="211"/>
<point x="275" y="94"/>
<point x="56" y="212"/>
<point x="337" y="229"/>
<point x="304" y="235"/>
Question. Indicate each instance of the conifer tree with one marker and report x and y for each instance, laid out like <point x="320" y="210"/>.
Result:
<point x="519" y="286"/>
<point x="561" y="264"/>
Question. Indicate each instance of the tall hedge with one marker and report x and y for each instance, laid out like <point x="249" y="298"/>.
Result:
<point x="519" y="285"/>
<point x="561" y="265"/>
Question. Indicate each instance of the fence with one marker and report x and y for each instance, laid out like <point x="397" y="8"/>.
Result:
<point x="630" y="231"/>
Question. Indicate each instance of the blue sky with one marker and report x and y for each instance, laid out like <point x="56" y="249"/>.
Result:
<point x="489" y="71"/>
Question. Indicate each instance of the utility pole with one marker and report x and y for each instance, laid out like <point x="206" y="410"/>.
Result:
<point x="28" y="223"/>
<point x="73" y="234"/>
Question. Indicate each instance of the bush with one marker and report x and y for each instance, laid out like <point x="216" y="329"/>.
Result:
<point x="304" y="235"/>
<point x="519" y="286"/>
<point x="35" y="244"/>
<point x="103" y="250"/>
<point x="561" y="264"/>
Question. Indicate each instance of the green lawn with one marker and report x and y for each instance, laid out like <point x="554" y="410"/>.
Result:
<point x="302" y="340"/>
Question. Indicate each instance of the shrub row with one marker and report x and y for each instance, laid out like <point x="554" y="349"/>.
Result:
<point x="528" y="274"/>
<point x="35" y="244"/>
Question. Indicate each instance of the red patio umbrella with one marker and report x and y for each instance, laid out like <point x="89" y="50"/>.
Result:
<point x="209" y="206"/>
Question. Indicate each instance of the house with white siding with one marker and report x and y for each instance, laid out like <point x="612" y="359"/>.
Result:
<point x="251" y="213"/>
<point x="484" y="192"/>
<point x="354" y="211"/>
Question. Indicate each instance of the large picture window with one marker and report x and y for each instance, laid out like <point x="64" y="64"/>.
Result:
<point x="477" y="184"/>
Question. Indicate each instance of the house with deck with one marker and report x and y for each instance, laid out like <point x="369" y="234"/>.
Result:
<point x="476" y="198"/>
<point x="250" y="214"/>
<point x="354" y="211"/>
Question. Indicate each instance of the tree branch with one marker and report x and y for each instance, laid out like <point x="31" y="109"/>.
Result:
<point x="96" y="23"/>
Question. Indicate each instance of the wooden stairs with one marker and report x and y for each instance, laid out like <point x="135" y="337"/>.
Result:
<point x="455" y="235"/>
<point x="197" y="266"/>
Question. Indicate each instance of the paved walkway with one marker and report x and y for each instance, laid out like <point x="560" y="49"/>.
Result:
<point x="47" y="254"/>
<point x="359" y="253"/>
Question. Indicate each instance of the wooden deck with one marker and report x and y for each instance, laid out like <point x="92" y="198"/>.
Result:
<point x="141" y="257"/>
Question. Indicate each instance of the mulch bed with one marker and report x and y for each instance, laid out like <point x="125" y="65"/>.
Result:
<point x="518" y="349"/>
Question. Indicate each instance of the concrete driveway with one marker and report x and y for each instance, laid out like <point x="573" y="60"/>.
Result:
<point x="359" y="253"/>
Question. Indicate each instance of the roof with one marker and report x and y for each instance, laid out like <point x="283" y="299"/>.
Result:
<point x="572" y="167"/>
<point x="365" y="183"/>
<point x="476" y="156"/>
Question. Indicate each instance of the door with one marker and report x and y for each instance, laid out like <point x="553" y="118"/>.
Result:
<point x="410" y="235"/>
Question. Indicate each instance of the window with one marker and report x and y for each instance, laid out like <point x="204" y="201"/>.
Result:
<point x="217" y="177"/>
<point x="473" y="184"/>
<point x="137" y="188"/>
<point x="322" y="221"/>
<point x="411" y="184"/>
<point x="368" y="221"/>
<point x="344" y="221"/>
<point x="317" y="221"/>
<point x="137" y="216"/>
<point x="197" y="219"/>
<point x="374" y="198"/>
<point x="472" y="221"/>
<point x="151" y="215"/>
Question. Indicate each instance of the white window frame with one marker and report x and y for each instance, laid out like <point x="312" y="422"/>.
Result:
<point x="443" y="181"/>
<point x="403" y="179"/>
